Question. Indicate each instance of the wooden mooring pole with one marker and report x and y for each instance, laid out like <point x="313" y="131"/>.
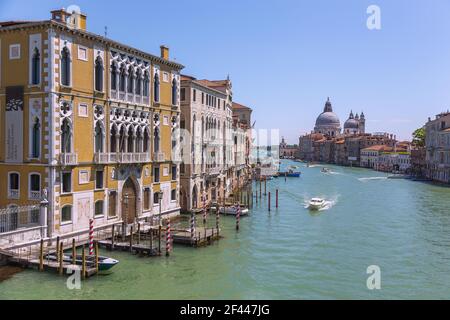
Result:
<point x="139" y="233"/>
<point x="57" y="246"/>
<point x="74" y="252"/>
<point x="61" y="260"/>
<point x="83" y="263"/>
<point x="41" y="256"/>
<point x="159" y="240"/>
<point x="277" y="200"/>
<point x="131" y="239"/>
<point x="265" y="187"/>
<point x="113" y="227"/>
<point x="96" y="256"/>
<point x="269" y="201"/>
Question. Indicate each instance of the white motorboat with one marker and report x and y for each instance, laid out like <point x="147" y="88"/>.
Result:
<point x="316" y="204"/>
<point x="232" y="211"/>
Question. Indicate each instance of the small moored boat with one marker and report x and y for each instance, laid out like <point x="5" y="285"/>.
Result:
<point x="290" y="174"/>
<point x="316" y="204"/>
<point x="232" y="211"/>
<point x="104" y="263"/>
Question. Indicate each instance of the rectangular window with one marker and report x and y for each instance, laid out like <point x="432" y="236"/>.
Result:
<point x="147" y="194"/>
<point x="174" y="173"/>
<point x="99" y="179"/>
<point x="156" y="198"/>
<point x="35" y="182"/>
<point x="203" y="98"/>
<point x="66" y="181"/>
<point x="83" y="110"/>
<point x="82" y="53"/>
<point x="194" y="95"/>
<point x="66" y="214"/>
<point x="156" y="175"/>
<point x="14" y="52"/>
<point x="183" y="94"/>
<point x="112" y="204"/>
<point x="173" y="195"/>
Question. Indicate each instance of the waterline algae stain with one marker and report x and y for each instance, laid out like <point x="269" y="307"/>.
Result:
<point x="401" y="226"/>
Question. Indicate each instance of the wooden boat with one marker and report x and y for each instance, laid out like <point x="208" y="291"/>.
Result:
<point x="231" y="211"/>
<point x="104" y="263"/>
<point x="290" y="174"/>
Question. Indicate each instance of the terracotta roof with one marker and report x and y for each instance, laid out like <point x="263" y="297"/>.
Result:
<point x="378" y="148"/>
<point x="13" y="23"/>
<point x="238" y="106"/>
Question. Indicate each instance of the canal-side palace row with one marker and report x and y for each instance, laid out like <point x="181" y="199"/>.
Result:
<point x="88" y="124"/>
<point x="328" y="143"/>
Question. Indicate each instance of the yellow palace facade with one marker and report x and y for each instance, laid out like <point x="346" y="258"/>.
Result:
<point x="87" y="123"/>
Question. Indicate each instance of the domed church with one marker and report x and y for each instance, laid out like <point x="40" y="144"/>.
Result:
<point x="328" y="122"/>
<point x="355" y="124"/>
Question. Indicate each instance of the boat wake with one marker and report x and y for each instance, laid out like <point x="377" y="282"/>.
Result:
<point x="372" y="178"/>
<point x="328" y="203"/>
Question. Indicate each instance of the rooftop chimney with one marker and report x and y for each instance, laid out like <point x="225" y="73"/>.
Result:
<point x="72" y="17"/>
<point x="164" y="52"/>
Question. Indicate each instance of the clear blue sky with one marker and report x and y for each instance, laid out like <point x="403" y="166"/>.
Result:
<point x="286" y="57"/>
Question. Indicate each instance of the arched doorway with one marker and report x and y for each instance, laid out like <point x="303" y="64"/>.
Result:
<point x="129" y="198"/>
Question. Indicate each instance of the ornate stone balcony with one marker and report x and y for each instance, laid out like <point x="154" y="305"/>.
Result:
<point x="68" y="159"/>
<point x="111" y="158"/>
<point x="159" y="157"/>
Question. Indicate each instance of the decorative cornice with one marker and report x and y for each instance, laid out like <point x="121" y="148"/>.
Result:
<point x="94" y="37"/>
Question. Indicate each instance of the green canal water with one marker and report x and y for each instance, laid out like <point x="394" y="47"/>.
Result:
<point x="400" y="225"/>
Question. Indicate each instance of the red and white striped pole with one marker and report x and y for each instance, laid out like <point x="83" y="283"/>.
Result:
<point x="238" y="216"/>
<point x="168" y="238"/>
<point x="192" y="227"/>
<point x="91" y="237"/>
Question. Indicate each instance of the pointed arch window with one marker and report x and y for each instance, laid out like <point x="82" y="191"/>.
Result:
<point x="99" y="74"/>
<point x="139" y="140"/>
<point x="138" y="85"/>
<point x="112" y="142"/>
<point x="36" y="139"/>
<point x="130" y="140"/>
<point x="145" y="146"/>
<point x="130" y="80"/>
<point x="114" y="77"/>
<point x="146" y="84"/>
<point x="122" y="78"/>
<point x="36" y="67"/>
<point x="174" y="92"/>
<point x="65" y="67"/>
<point x="122" y="137"/>
<point x="66" y="137"/>
<point x="98" y="137"/>
<point x="156" y="142"/>
<point x="156" y="88"/>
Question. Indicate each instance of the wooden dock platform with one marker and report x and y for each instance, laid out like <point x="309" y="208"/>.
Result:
<point x="202" y="237"/>
<point x="140" y="249"/>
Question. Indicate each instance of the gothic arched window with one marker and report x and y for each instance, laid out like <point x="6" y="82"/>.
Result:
<point x="65" y="67"/>
<point x="156" y="88"/>
<point x="99" y="74"/>
<point x="130" y="80"/>
<point x="156" y="142"/>
<point x="114" y="77"/>
<point x="138" y="86"/>
<point x="112" y="142"/>
<point x="146" y="141"/>
<point x="122" y="79"/>
<point x="36" y="67"/>
<point x="146" y="83"/>
<point x="66" y="137"/>
<point x="36" y="139"/>
<point x="98" y="137"/>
